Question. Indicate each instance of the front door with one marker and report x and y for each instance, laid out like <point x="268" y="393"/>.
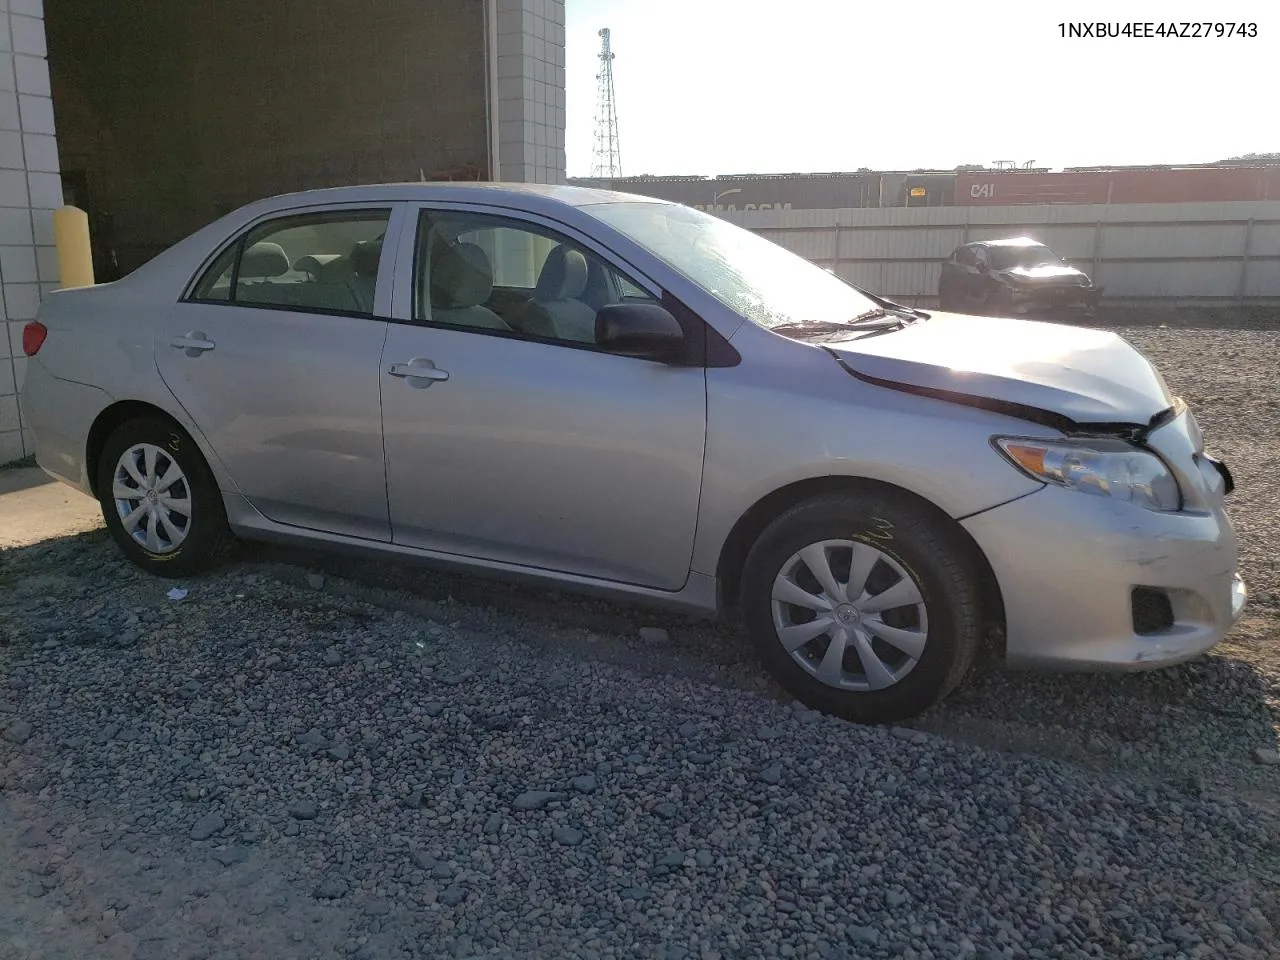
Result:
<point x="274" y="355"/>
<point x="510" y="436"/>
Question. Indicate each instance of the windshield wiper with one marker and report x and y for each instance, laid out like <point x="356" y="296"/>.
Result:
<point x="800" y="325"/>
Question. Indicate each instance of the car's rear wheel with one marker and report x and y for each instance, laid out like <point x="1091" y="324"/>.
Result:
<point x="159" y="499"/>
<point x="863" y="605"/>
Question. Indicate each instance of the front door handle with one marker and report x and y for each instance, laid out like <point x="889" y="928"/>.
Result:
<point x="193" y="344"/>
<point x="422" y="371"/>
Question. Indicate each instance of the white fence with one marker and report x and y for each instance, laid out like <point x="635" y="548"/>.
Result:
<point x="1192" y="253"/>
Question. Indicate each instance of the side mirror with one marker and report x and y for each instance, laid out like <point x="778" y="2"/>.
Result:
<point x="642" y="330"/>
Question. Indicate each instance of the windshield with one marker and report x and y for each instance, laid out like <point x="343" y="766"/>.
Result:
<point x="1006" y="258"/>
<point x="765" y="283"/>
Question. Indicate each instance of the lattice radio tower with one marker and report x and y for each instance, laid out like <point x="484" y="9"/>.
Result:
<point x="606" y="160"/>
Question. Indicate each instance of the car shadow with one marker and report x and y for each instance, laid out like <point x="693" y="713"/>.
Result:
<point x="1199" y="724"/>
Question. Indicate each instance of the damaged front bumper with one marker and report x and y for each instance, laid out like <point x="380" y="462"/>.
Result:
<point x="1034" y="299"/>
<point x="1094" y="583"/>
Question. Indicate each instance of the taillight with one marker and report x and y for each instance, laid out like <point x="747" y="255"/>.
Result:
<point x="33" y="336"/>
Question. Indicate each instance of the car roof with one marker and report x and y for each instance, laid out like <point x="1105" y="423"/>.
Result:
<point x="527" y="195"/>
<point x="1008" y="242"/>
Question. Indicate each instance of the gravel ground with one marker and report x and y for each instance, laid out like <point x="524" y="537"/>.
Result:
<point x="313" y="757"/>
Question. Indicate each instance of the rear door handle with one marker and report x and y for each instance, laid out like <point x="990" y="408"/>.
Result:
<point x="418" y="370"/>
<point x="193" y="344"/>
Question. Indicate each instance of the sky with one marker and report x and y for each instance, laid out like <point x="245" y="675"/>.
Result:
<point x="746" y="86"/>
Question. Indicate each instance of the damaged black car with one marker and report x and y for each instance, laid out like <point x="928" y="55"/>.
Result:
<point x="1017" y="276"/>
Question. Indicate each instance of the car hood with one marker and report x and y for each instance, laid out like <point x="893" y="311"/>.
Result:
<point x="1047" y="273"/>
<point x="1041" y="371"/>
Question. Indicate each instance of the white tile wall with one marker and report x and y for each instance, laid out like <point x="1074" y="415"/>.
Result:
<point x="530" y="76"/>
<point x="30" y="189"/>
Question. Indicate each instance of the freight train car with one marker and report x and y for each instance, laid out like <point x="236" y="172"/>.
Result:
<point x="798" y="191"/>
<point x="1216" y="184"/>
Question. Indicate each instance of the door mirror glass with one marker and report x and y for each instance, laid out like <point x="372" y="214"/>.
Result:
<point x="643" y="330"/>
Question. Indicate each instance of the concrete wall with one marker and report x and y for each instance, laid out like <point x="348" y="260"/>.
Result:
<point x="1192" y="253"/>
<point x="177" y="111"/>
<point x="529" y="77"/>
<point x="30" y="189"/>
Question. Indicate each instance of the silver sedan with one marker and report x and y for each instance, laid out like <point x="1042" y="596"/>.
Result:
<point x="611" y="394"/>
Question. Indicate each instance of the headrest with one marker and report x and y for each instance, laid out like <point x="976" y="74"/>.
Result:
<point x="461" y="276"/>
<point x="264" y="259"/>
<point x="563" y="276"/>
<point x="365" y="256"/>
<point x="314" y="263"/>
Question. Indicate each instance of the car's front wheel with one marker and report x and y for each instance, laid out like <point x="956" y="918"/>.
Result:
<point x="159" y="499"/>
<point x="863" y="605"/>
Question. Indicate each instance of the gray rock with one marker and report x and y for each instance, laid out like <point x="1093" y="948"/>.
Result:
<point x="1266" y="757"/>
<point x="654" y="635"/>
<point x="704" y="858"/>
<point x="340" y="751"/>
<point x="332" y="657"/>
<point x="666" y="810"/>
<point x="536" y="799"/>
<point x="494" y="824"/>
<point x="303" y="810"/>
<point x="207" y="826"/>
<point x="689" y="729"/>
<point x="316" y="581"/>
<point x="18" y="731"/>
<point x="291" y="829"/>
<point x="584" y="784"/>
<point x="567" y="836"/>
<point x="422" y="860"/>
<point x="330" y="888"/>
<point x="633" y="893"/>
<point x="673" y="858"/>
<point x="442" y="871"/>
<point x="894" y="899"/>
<point x="231" y="855"/>
<point x="377" y="908"/>
<point x="772" y="773"/>
<point x="433" y="709"/>
<point x="868" y="935"/>
<point x="453" y="896"/>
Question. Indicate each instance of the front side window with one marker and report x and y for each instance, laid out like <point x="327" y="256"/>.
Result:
<point x="325" y="262"/>
<point x="482" y="272"/>
<point x="764" y="282"/>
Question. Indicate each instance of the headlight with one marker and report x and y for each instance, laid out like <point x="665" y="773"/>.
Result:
<point x="1103" y="468"/>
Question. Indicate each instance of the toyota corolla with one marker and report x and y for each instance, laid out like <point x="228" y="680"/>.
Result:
<point x="622" y="396"/>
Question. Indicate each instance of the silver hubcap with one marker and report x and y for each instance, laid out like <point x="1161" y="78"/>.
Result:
<point x="152" y="498"/>
<point x="850" y="615"/>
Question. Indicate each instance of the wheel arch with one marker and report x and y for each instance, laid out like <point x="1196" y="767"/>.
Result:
<point x="111" y="418"/>
<point x="733" y="552"/>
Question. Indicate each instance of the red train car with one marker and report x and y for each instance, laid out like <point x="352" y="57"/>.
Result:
<point x="1119" y="185"/>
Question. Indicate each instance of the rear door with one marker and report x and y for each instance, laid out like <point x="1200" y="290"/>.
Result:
<point x="274" y="354"/>
<point x="530" y="449"/>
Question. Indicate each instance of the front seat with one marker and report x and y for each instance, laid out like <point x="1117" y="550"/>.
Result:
<point x="365" y="257"/>
<point x="461" y="283"/>
<point x="562" y="280"/>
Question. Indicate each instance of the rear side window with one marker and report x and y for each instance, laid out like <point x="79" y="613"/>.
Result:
<point x="322" y="262"/>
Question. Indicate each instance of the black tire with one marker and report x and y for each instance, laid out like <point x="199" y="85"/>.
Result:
<point x="207" y="536"/>
<point x="938" y="560"/>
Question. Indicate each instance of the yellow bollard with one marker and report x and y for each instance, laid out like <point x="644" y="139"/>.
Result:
<point x="75" y="257"/>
